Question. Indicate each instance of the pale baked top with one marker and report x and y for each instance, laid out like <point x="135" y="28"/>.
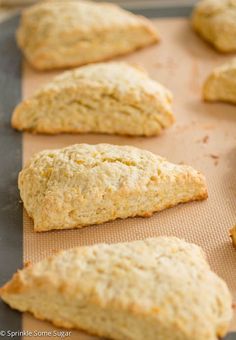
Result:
<point x="221" y="11"/>
<point x="214" y="7"/>
<point x="127" y="81"/>
<point x="111" y="97"/>
<point x="215" y="20"/>
<point x="63" y="16"/>
<point x="54" y="20"/>
<point x="85" y="184"/>
<point x="165" y="279"/>
<point x="81" y="168"/>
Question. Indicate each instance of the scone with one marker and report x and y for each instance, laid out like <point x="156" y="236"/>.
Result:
<point x="86" y="184"/>
<point x="215" y="21"/>
<point x="115" y="98"/>
<point x="221" y="84"/>
<point x="159" y="288"/>
<point x="60" y="34"/>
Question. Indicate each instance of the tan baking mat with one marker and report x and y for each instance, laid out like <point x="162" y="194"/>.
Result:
<point x="204" y="136"/>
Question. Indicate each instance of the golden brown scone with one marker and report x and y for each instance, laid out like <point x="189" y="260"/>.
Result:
<point x="59" y="34"/>
<point x="221" y="84"/>
<point x="115" y="98"/>
<point x="232" y="233"/>
<point x="90" y="184"/>
<point x="215" y="21"/>
<point x="156" y="289"/>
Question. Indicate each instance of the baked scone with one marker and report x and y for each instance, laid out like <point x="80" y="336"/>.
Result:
<point x="59" y="34"/>
<point x="159" y="288"/>
<point x="221" y="84"/>
<point x="86" y="184"/>
<point x="215" y="21"/>
<point x="232" y="234"/>
<point x="115" y="98"/>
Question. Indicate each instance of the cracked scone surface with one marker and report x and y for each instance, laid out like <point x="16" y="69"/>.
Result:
<point x="155" y="289"/>
<point x="215" y="21"/>
<point x="221" y="83"/>
<point x="115" y="98"/>
<point x="59" y="34"/>
<point x="86" y="184"/>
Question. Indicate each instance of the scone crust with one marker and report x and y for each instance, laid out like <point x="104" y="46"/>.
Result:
<point x="114" y="98"/>
<point x="58" y="186"/>
<point x="165" y="288"/>
<point x="73" y="33"/>
<point x="215" y="21"/>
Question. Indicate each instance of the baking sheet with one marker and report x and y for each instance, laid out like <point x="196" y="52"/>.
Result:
<point x="203" y="136"/>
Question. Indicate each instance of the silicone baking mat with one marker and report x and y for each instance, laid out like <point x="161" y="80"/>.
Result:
<point x="203" y="136"/>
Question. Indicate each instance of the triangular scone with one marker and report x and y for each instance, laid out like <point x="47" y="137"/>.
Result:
<point x="59" y="34"/>
<point x="215" y="21"/>
<point x="104" y="98"/>
<point x="90" y="184"/>
<point x="159" y="288"/>
<point x="221" y="84"/>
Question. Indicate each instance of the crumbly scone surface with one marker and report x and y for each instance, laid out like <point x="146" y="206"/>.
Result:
<point x="89" y="184"/>
<point x="57" y="34"/>
<point x="107" y="97"/>
<point x="161" y="286"/>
